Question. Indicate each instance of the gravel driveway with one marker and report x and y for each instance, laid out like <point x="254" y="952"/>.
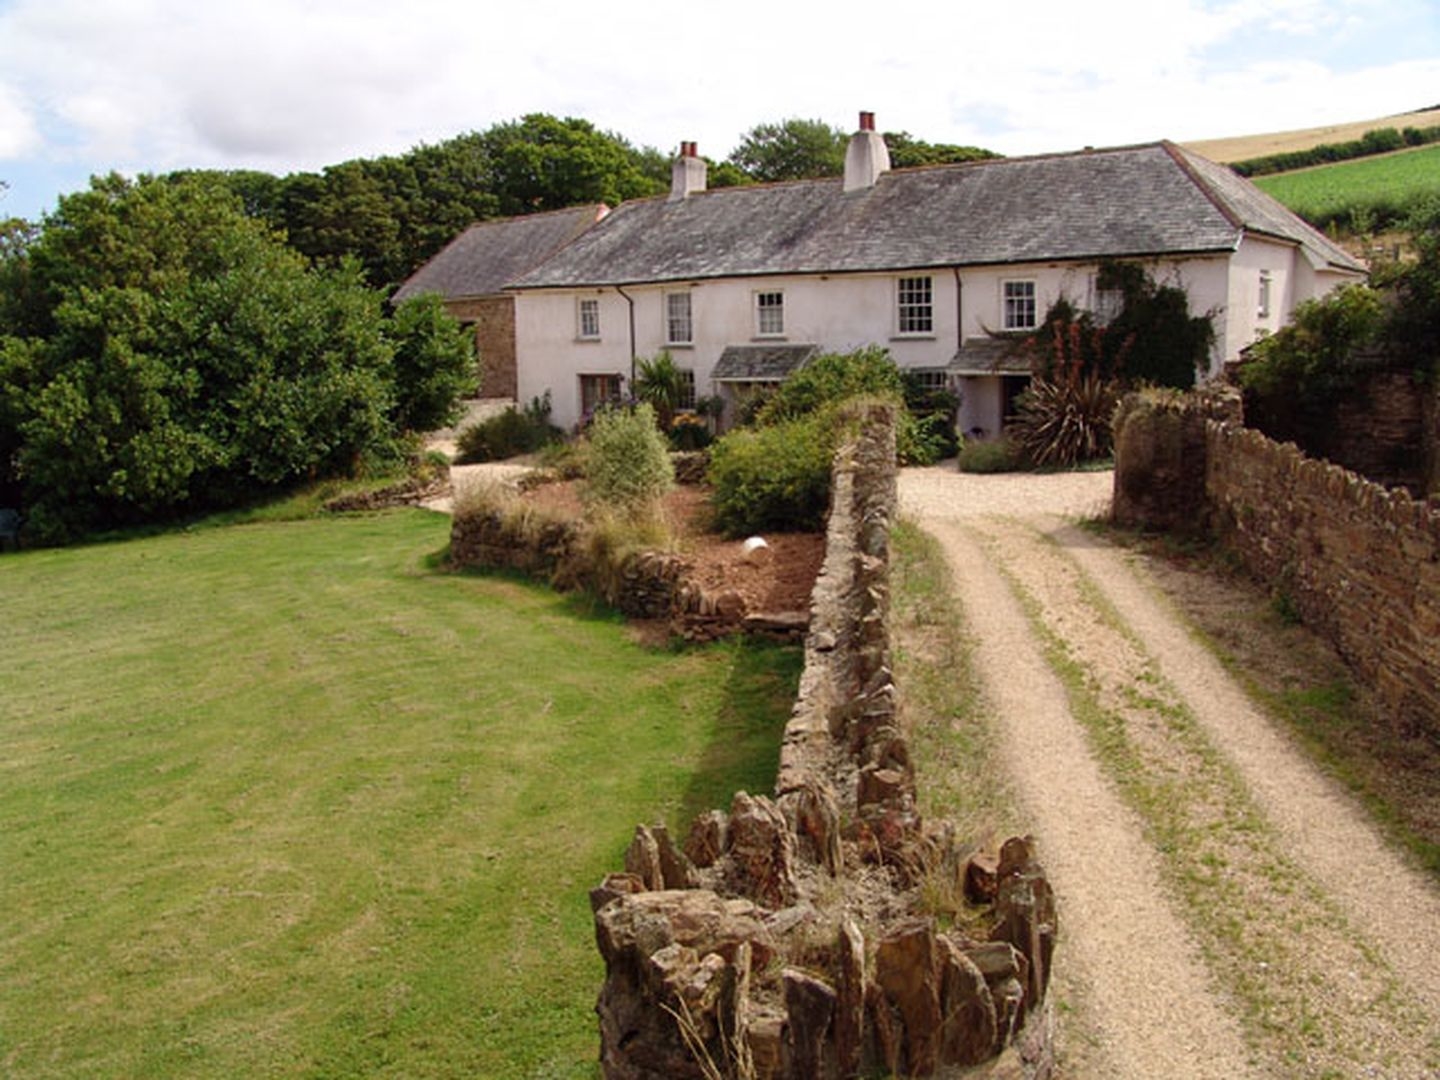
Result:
<point x="1225" y="910"/>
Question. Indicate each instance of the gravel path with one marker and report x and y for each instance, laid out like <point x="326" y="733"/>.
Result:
<point x="1225" y="910"/>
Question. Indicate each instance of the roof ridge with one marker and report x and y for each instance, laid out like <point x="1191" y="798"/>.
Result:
<point x="1181" y="158"/>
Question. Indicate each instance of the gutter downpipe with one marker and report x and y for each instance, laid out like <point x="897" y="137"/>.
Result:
<point x="959" y="310"/>
<point x="631" y="302"/>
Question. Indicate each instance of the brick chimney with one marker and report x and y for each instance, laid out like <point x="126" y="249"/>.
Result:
<point x="687" y="175"/>
<point x="866" y="157"/>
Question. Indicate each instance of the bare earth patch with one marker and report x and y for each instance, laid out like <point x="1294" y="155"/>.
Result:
<point x="779" y="582"/>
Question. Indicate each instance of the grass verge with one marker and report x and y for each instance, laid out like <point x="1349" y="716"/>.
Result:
<point x="954" y="746"/>
<point x="282" y="800"/>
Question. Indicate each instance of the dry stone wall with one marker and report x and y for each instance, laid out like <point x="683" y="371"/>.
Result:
<point x="786" y="938"/>
<point x="1359" y="562"/>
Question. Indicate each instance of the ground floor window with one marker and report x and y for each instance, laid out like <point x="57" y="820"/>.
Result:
<point x="685" y="397"/>
<point x="597" y="390"/>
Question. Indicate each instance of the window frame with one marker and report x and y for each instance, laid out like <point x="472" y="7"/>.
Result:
<point x="685" y="396"/>
<point x="1263" y="301"/>
<point x="1011" y="305"/>
<point x="914" y="315"/>
<point x="611" y="381"/>
<point x="775" y="310"/>
<point x="672" y="319"/>
<point x="582" y="303"/>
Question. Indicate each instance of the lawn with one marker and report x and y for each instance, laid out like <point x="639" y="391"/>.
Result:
<point x="286" y="800"/>
<point x="1383" y="187"/>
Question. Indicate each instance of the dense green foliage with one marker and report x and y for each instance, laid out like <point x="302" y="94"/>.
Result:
<point x="508" y="434"/>
<point x="393" y="213"/>
<point x="627" y="466"/>
<point x="1378" y="141"/>
<point x="660" y="383"/>
<point x="434" y="365"/>
<point x="1080" y="364"/>
<point x="162" y="352"/>
<point x="832" y="378"/>
<point x="280" y="801"/>
<point x="775" y="477"/>
<point x="792" y="149"/>
<point x="1360" y="196"/>
<point x="907" y="152"/>
<point x="1298" y="378"/>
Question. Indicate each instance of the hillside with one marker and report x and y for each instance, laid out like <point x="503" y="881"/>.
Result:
<point x="1244" y="147"/>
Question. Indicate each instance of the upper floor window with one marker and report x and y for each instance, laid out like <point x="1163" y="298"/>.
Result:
<point x="769" y="314"/>
<point x="915" y="306"/>
<point x="1018" y="305"/>
<point x="679" y="327"/>
<point x="588" y="319"/>
<point x="1264" y="306"/>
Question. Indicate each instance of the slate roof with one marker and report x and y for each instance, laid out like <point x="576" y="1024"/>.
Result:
<point x="761" y="363"/>
<point x="1156" y="199"/>
<point x="482" y="259"/>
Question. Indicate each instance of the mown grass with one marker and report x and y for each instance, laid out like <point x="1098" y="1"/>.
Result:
<point x="1382" y="189"/>
<point x="285" y="800"/>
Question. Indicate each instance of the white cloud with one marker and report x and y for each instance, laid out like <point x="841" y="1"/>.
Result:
<point x="159" y="84"/>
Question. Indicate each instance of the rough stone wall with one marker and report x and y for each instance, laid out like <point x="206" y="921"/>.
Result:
<point x="1359" y="562"/>
<point x="1160" y="457"/>
<point x="646" y="585"/>
<point x="786" y="938"/>
<point x="494" y="321"/>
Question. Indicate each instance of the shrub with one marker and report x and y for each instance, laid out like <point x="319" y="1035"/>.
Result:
<point x="508" y="434"/>
<point x="434" y="364"/>
<point x="660" y="383"/>
<point x="831" y="378"/>
<point x="1067" y="420"/>
<point x="628" y="464"/>
<point x="773" y="478"/>
<point x="997" y="456"/>
<point x="689" y="431"/>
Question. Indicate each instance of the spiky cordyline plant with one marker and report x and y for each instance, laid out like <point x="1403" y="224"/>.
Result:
<point x="1066" y="420"/>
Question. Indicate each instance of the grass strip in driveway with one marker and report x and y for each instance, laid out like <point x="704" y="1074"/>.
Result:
<point x="283" y="800"/>
<point x="1313" y="994"/>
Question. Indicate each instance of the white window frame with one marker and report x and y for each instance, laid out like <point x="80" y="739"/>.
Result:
<point x="1014" y="307"/>
<point x="587" y="318"/>
<point x="931" y="379"/>
<point x="679" y="325"/>
<point x="1262" y="306"/>
<point x="915" y="306"/>
<point x="685" y="399"/>
<point x="769" y="313"/>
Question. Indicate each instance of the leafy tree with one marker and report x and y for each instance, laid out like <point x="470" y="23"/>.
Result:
<point x="907" y="152"/>
<point x="791" y="149"/>
<point x="176" y="355"/>
<point x="542" y="163"/>
<point x="1413" y="331"/>
<point x="435" y="364"/>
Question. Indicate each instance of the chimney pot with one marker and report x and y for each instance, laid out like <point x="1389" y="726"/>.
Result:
<point x="867" y="121"/>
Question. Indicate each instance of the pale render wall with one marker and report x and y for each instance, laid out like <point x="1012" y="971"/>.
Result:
<point x="847" y="311"/>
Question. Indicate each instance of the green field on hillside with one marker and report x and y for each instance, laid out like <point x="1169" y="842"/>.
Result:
<point x="285" y="800"/>
<point x="1381" y="188"/>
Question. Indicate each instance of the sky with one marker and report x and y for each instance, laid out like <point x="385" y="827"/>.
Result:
<point x="91" y="86"/>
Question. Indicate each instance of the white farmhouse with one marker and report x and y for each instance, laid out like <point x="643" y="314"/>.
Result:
<point x="743" y="284"/>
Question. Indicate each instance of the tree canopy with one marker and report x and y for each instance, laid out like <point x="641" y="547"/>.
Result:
<point x="161" y="351"/>
<point x="791" y="149"/>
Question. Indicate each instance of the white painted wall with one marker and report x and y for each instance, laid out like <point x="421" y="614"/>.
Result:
<point x="847" y="311"/>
